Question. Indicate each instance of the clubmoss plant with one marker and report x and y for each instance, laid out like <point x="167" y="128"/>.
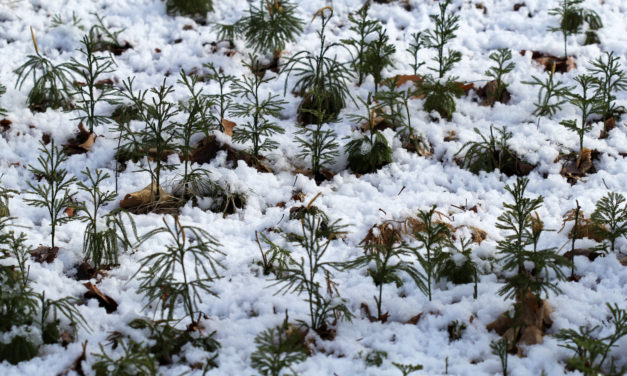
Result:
<point x="222" y="100"/>
<point x="572" y="18"/>
<point x="92" y="89"/>
<point x="379" y="55"/>
<point x="407" y="369"/>
<point x="268" y="27"/>
<point x="195" y="181"/>
<point x="135" y="360"/>
<point x="431" y="237"/>
<point x="417" y="42"/>
<point x="107" y="40"/>
<point x="273" y="260"/>
<point x="502" y="57"/>
<point x="58" y="20"/>
<point x="500" y="348"/>
<point x="168" y="341"/>
<point x="588" y="104"/>
<point x="278" y="349"/>
<point x="517" y="221"/>
<point x="458" y="265"/>
<point x="5" y="195"/>
<point x="193" y="8"/>
<point x="551" y="94"/>
<point x="610" y="78"/>
<point x="167" y="277"/>
<point x="439" y="92"/>
<point x="591" y="350"/>
<point x="491" y="153"/>
<point x="317" y="144"/>
<point x="320" y="79"/>
<point x="386" y="265"/>
<point x="53" y="191"/>
<point x="259" y="128"/>
<point x="309" y="274"/>
<point x="157" y="137"/>
<point x="361" y="47"/>
<point x="368" y="153"/>
<point x="130" y="148"/>
<point x="445" y="27"/>
<point x="574" y="235"/>
<point x="610" y="218"/>
<point x="100" y="245"/>
<point x="51" y="83"/>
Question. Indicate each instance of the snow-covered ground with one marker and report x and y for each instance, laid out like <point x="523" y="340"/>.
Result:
<point x="247" y="303"/>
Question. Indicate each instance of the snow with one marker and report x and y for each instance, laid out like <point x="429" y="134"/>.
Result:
<point x="247" y="303"/>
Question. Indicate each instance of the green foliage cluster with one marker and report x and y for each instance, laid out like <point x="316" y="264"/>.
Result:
<point x="318" y="144"/>
<point x="432" y="236"/>
<point x="551" y="95"/>
<point x="368" y="153"/>
<point x="278" y="349"/>
<point x="100" y="246"/>
<point x="609" y="78"/>
<point x="51" y="83"/>
<point x="181" y="272"/>
<point x="572" y="18"/>
<point x="531" y="268"/>
<point x="258" y="110"/>
<point x="91" y="89"/>
<point x="309" y="274"/>
<point x="192" y="8"/>
<point x="591" y="350"/>
<point x="500" y="348"/>
<point x="610" y="218"/>
<point x="320" y="79"/>
<point x="371" y="51"/>
<point x="386" y="264"/>
<point x="587" y="102"/>
<point x="268" y="27"/>
<point x="32" y="318"/>
<point x="53" y="191"/>
<point x="135" y="360"/>
<point x="502" y="57"/>
<point x="490" y="153"/>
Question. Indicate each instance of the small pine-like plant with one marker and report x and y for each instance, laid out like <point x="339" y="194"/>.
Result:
<point x="194" y="180"/>
<point x="278" y="349"/>
<point x="100" y="245"/>
<point x="318" y="144"/>
<point x="490" y="153"/>
<point x="91" y="90"/>
<point x="368" y="153"/>
<point x="105" y="39"/>
<point x="445" y="27"/>
<point x="3" y="90"/>
<point x="53" y="191"/>
<point x="458" y="265"/>
<point x="169" y="341"/>
<point x="159" y="132"/>
<point x="591" y="350"/>
<point x="363" y="27"/>
<point x="500" y="348"/>
<point x="610" y="78"/>
<point x="379" y="56"/>
<point x="432" y="236"/>
<point x="518" y="221"/>
<point x="320" y="79"/>
<point x="160" y="271"/>
<point x="588" y="104"/>
<point x="502" y="57"/>
<point x="135" y="360"/>
<point x="551" y="95"/>
<point x="572" y="18"/>
<point x="439" y="92"/>
<point x="51" y="83"/>
<point x="270" y="26"/>
<point x="259" y="128"/>
<point x="414" y="48"/>
<point x="275" y="258"/>
<point x="385" y="265"/>
<point x="224" y="98"/>
<point x="130" y="149"/>
<point x="309" y="274"/>
<point x="192" y="8"/>
<point x="407" y="369"/>
<point x="5" y="196"/>
<point x="610" y="218"/>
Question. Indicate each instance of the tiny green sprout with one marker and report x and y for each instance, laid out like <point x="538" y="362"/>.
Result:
<point x="572" y="18"/>
<point x="500" y="348"/>
<point x="551" y="95"/>
<point x="502" y="57"/>
<point x="588" y="104"/>
<point x="318" y="144"/>
<point x="610" y="218"/>
<point x="610" y="78"/>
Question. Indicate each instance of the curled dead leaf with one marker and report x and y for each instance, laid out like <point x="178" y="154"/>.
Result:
<point x="228" y="126"/>
<point x="104" y="301"/>
<point x="146" y="198"/>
